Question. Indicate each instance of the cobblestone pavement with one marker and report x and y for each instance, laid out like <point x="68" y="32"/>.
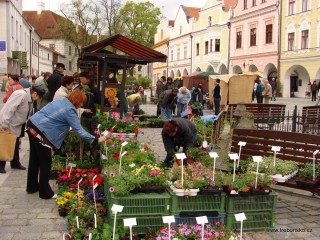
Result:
<point x="27" y="217"/>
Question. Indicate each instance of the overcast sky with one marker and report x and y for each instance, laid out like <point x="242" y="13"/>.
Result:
<point x="169" y="8"/>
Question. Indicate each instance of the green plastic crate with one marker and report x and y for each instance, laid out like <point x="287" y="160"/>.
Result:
<point x="198" y="203"/>
<point x="255" y="220"/>
<point x="143" y="223"/>
<point x="141" y="204"/>
<point x="191" y="218"/>
<point x="236" y="204"/>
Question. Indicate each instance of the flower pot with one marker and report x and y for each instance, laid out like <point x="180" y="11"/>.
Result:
<point x="179" y="192"/>
<point x="190" y="161"/>
<point x="179" y="162"/>
<point x="62" y="212"/>
<point x="306" y="182"/>
<point x="191" y="192"/>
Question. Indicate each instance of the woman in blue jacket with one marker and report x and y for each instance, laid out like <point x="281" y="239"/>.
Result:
<point x="47" y="129"/>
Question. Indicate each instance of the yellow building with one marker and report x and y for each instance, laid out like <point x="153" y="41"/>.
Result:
<point x="210" y="39"/>
<point x="300" y="46"/>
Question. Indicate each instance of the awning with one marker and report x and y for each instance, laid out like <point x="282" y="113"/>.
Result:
<point x="207" y="74"/>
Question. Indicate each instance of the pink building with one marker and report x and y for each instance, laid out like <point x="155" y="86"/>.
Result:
<point x="254" y="41"/>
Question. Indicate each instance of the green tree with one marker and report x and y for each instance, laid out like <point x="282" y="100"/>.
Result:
<point x="140" y="21"/>
<point x="143" y="81"/>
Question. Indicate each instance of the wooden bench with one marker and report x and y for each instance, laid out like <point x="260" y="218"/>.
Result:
<point x="310" y="119"/>
<point x="263" y="113"/>
<point x="217" y="127"/>
<point x="298" y="147"/>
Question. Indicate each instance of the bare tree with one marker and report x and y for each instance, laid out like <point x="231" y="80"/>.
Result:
<point x="82" y="25"/>
<point x="111" y="17"/>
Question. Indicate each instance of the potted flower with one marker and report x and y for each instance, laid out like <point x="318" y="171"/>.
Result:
<point x="306" y="176"/>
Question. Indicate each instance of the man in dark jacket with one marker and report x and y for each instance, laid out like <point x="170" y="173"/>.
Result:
<point x="216" y="96"/>
<point x="160" y="88"/>
<point x="54" y="81"/>
<point x="175" y="133"/>
<point x="167" y="99"/>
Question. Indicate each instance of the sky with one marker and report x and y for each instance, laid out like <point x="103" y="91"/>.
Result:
<point x="169" y="8"/>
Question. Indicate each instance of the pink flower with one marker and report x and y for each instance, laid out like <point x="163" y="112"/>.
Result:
<point x="124" y="120"/>
<point x="153" y="173"/>
<point x="216" y="234"/>
<point x="111" y="189"/>
<point x="251" y="183"/>
<point x="136" y="119"/>
<point x="115" y="115"/>
<point x="112" y="174"/>
<point x="96" y="132"/>
<point x="113" y="146"/>
<point x="222" y="234"/>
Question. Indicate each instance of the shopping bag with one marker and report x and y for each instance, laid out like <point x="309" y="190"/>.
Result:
<point x="7" y="145"/>
<point x="187" y="110"/>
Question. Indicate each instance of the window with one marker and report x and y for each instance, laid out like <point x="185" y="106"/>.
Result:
<point x="70" y="51"/>
<point x="178" y="54"/>
<point x="263" y="1"/>
<point x="239" y="39"/>
<point x="185" y="53"/>
<point x="304" y="39"/>
<point x="269" y="33"/>
<point x="290" y="41"/>
<point x="161" y="34"/>
<point x="217" y="45"/>
<point x="245" y="4"/>
<point x="70" y="66"/>
<point x="291" y="7"/>
<point x="211" y="45"/>
<point x="253" y="37"/>
<point x="304" y="5"/>
<point x="52" y="47"/>
<point x="197" y="49"/>
<point x="254" y="2"/>
<point x="180" y="30"/>
<point x="48" y="56"/>
<point x="171" y="55"/>
<point x="206" y="47"/>
<point x="209" y="21"/>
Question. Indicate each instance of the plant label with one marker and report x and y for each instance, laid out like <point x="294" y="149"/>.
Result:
<point x="276" y="148"/>
<point x="105" y="133"/>
<point x="242" y="143"/>
<point x="90" y="236"/>
<point x="181" y="156"/>
<point x="204" y="144"/>
<point x="72" y="165"/>
<point x="77" y="220"/>
<point x="129" y="222"/>
<point x="124" y="153"/>
<point x="168" y="219"/>
<point x="116" y="208"/>
<point x="64" y="236"/>
<point x="124" y="143"/>
<point x="202" y="220"/>
<point x="315" y="152"/>
<point x="98" y="125"/>
<point x="104" y="157"/>
<point x="213" y="154"/>
<point x="95" y="186"/>
<point x="257" y="158"/>
<point x="233" y="156"/>
<point x="240" y="217"/>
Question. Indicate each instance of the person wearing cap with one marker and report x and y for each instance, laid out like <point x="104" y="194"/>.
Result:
<point x="13" y="81"/>
<point x="14" y="115"/>
<point x="47" y="129"/>
<point x="54" y="81"/>
<point x="89" y="108"/>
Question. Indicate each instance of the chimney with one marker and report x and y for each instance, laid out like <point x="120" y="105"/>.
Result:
<point x="40" y="6"/>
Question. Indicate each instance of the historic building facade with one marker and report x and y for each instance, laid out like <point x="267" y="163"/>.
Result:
<point x="300" y="46"/>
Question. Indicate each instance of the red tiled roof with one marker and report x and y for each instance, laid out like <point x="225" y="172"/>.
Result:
<point x="44" y="23"/>
<point x="191" y="12"/>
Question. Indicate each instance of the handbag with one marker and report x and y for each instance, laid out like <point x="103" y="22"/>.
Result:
<point x="7" y="145"/>
<point x="185" y="112"/>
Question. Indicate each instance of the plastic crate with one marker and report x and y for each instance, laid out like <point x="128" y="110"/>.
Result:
<point x="198" y="203"/>
<point x="190" y="218"/>
<point x="143" y="223"/>
<point x="141" y="203"/>
<point x="235" y="204"/>
<point x="255" y="220"/>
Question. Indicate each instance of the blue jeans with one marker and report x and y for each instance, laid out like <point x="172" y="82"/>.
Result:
<point x="180" y="107"/>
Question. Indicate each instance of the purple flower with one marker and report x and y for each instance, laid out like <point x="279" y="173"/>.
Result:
<point x="113" y="146"/>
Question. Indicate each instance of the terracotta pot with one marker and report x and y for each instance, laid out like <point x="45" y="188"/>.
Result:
<point x="179" y="162"/>
<point x="190" y="161"/>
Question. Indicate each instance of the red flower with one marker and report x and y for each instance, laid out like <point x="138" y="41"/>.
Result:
<point x="111" y="130"/>
<point x="115" y="156"/>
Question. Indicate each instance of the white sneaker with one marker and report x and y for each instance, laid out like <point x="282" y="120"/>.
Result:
<point x="54" y="196"/>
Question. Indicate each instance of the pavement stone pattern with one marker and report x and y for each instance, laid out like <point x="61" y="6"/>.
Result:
<point x="27" y="217"/>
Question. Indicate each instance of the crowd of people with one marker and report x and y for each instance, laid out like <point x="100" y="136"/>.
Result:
<point x="46" y="108"/>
